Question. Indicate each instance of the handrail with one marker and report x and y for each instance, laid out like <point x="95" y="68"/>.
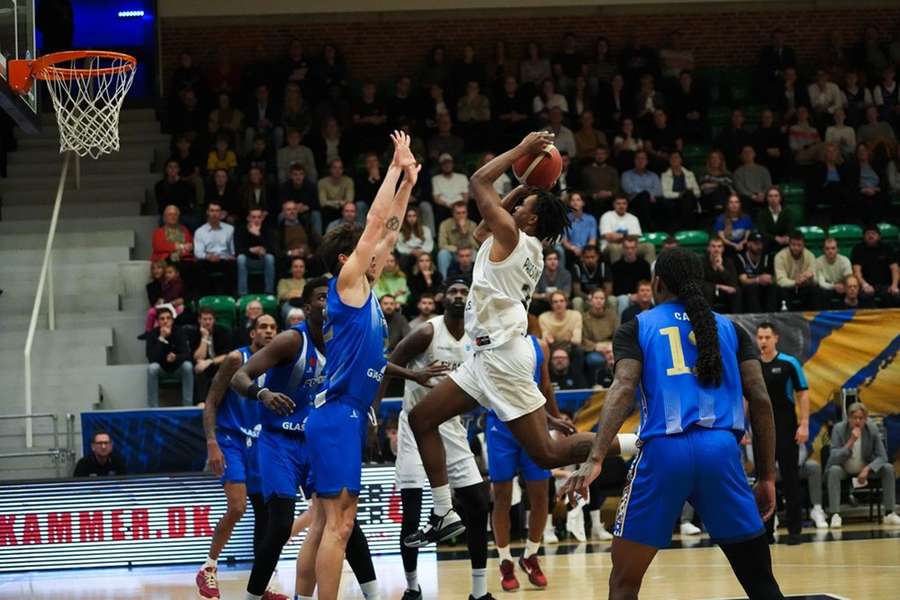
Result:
<point x="35" y="310"/>
<point x="59" y="453"/>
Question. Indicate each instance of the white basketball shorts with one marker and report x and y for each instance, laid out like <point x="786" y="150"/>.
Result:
<point x="461" y="468"/>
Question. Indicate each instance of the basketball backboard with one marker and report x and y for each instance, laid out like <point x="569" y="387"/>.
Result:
<point x="17" y="41"/>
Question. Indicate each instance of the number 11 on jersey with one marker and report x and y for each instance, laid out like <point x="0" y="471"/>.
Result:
<point x="676" y="350"/>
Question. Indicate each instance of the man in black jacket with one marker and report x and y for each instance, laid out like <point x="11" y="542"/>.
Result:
<point x="254" y="245"/>
<point x="103" y="460"/>
<point x="167" y="351"/>
<point x="209" y="344"/>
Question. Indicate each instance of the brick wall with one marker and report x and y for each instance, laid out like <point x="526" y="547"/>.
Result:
<point x="380" y="45"/>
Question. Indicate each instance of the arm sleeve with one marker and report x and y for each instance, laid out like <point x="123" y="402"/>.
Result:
<point x="746" y="349"/>
<point x="199" y="245"/>
<point x="798" y="378"/>
<point x="881" y="458"/>
<point x="625" y="342"/>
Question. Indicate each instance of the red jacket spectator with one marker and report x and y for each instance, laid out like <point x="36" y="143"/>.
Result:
<point x="172" y="241"/>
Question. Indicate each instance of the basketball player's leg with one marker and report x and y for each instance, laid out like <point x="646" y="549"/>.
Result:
<point x="548" y="452"/>
<point x="305" y="583"/>
<point x="411" y="479"/>
<point x="236" y="506"/>
<point x="340" y="513"/>
<point x="751" y="562"/>
<point x="629" y="563"/>
<point x="503" y="465"/>
<point x="411" y="502"/>
<point x="360" y="560"/>
<point x="474" y="502"/>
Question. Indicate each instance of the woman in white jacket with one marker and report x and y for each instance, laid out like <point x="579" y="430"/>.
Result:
<point x="680" y="195"/>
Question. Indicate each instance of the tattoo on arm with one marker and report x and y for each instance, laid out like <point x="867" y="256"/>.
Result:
<point x="581" y="450"/>
<point x="761" y="418"/>
<point x="393" y="224"/>
<point x="617" y="406"/>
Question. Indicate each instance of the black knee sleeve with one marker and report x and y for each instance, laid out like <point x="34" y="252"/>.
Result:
<point x="358" y="555"/>
<point x="280" y="519"/>
<point x="412" y="514"/>
<point x="474" y="502"/>
<point x="752" y="565"/>
<point x="260" y="517"/>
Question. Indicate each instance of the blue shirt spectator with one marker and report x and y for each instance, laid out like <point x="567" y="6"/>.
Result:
<point x="582" y="227"/>
<point x="639" y="179"/>
<point x="214" y="237"/>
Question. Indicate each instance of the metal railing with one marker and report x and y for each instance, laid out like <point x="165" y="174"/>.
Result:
<point x="45" y="277"/>
<point x="57" y="453"/>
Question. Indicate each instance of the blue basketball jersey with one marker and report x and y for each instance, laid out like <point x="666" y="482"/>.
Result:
<point x="538" y="359"/>
<point x="672" y="398"/>
<point x="354" y="344"/>
<point x="300" y="379"/>
<point x="237" y="413"/>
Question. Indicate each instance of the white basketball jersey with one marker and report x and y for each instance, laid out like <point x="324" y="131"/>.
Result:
<point x="446" y="350"/>
<point x="497" y="309"/>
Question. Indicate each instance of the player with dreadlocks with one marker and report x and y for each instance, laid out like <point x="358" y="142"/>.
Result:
<point x="693" y="368"/>
<point x="500" y="373"/>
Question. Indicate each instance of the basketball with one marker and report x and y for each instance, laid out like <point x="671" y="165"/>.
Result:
<point x="540" y="170"/>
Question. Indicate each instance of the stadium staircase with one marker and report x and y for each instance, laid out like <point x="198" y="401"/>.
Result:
<point x="100" y="264"/>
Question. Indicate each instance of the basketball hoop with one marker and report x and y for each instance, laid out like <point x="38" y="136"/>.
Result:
<point x="87" y="88"/>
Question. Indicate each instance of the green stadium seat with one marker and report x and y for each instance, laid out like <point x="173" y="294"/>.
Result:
<point x="269" y="303"/>
<point x="793" y="192"/>
<point x="693" y="239"/>
<point x="889" y="232"/>
<point x="654" y="237"/>
<point x="797" y="212"/>
<point x="812" y="233"/>
<point x="846" y="234"/>
<point x="223" y="306"/>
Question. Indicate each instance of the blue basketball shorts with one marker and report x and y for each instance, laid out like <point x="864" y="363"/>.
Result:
<point x="700" y="466"/>
<point x="284" y="465"/>
<point x="241" y="459"/>
<point x="335" y="433"/>
<point x="506" y="457"/>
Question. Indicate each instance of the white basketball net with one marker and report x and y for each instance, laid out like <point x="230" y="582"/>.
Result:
<point x="88" y="102"/>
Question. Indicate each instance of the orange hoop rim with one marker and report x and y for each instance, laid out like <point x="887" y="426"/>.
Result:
<point x="21" y="73"/>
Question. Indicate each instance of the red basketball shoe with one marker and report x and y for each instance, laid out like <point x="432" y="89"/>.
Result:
<point x="508" y="580"/>
<point x="208" y="583"/>
<point x="531" y="566"/>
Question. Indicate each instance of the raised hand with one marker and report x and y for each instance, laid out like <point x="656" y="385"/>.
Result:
<point x="411" y="173"/>
<point x="536" y="141"/>
<point x="579" y="483"/>
<point x="403" y="156"/>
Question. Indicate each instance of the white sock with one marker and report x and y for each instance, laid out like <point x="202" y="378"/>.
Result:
<point x="442" y="502"/>
<point x="250" y="596"/>
<point x="531" y="548"/>
<point x="299" y="597"/>
<point x="370" y="589"/>
<point x="412" y="580"/>
<point x="504" y="553"/>
<point x="210" y="562"/>
<point x="596" y="523"/>
<point x="817" y="507"/>
<point x="479" y="582"/>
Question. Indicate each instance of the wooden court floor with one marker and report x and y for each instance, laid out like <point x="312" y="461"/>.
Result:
<point x="863" y="565"/>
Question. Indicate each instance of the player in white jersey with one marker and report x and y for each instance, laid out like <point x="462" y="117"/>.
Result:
<point x="443" y="341"/>
<point x="500" y="374"/>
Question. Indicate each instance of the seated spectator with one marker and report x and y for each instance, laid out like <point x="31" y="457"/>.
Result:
<point x="661" y="140"/>
<point x="643" y="301"/>
<point x="222" y="157"/>
<point x="751" y="180"/>
<point x="154" y="286"/>
<point x="688" y="106"/>
<point x="554" y="278"/>
<point x="255" y="247"/>
<point x="214" y="251"/>
<point x="625" y="144"/>
<point x="886" y="97"/>
<point x="788" y="96"/>
<point x="225" y="120"/>
<point x="773" y="223"/>
<point x="301" y="192"/>
<point x="831" y="270"/>
<point x="857" y="98"/>
<point x="292" y="237"/>
<point x="425" y="279"/>
<point x="825" y="97"/>
<point x="392" y="282"/>
<point x="503" y="184"/>
<point x="562" y="183"/>
<point x="262" y="157"/>
<point x="174" y="191"/>
<point x="335" y="191"/>
<point x="369" y="120"/>
<point x="829" y="184"/>
<point x="733" y="138"/>
<point x="853" y="298"/>
<point x="841" y="134"/>
<point x="876" y="267"/>
<point x="511" y="110"/>
<point x="448" y="188"/>
<point x="455" y="232"/>
<point x="290" y="289"/>
<point x="222" y="191"/>
<point x="473" y="113"/>
<point x="415" y="239"/>
<point x="294" y="317"/>
<point x="866" y="183"/>
<point x="240" y="335"/>
<point x="600" y="181"/>
<point x="564" y="139"/>
<point x="720" y="275"/>
<point x="167" y="351"/>
<point x="561" y="326"/>
<point x="804" y="138"/>
<point x="755" y="271"/>
<point x="295" y="113"/>
<point x="643" y="188"/>
<point x="295" y="153"/>
<point x="562" y="374"/>
<point x="733" y="226"/>
<point x="680" y="196"/>
<point x="329" y="145"/>
<point x="893" y="174"/>
<point x="367" y="183"/>
<point x="588" y="139"/>
<point x="262" y="118"/>
<point x="535" y="67"/>
<point x="256" y="194"/>
<point x="602" y="65"/>
<point x="103" y="461"/>
<point x="348" y="217"/>
<point x="618" y="224"/>
<point x="770" y="143"/>
<point x="795" y="275"/>
<point x="582" y="230"/>
<point x="401" y="107"/>
<point x="874" y="130"/>
<point x="599" y="323"/>
<point x="547" y="99"/>
<point x="627" y="272"/>
<point x="857" y="450"/>
<point x="209" y="344"/>
<point x="588" y="276"/>
<point x="716" y="185"/>
<point x="444" y="141"/>
<point x="670" y="242"/>
<point x="647" y="100"/>
<point x="463" y="265"/>
<point x="171" y="295"/>
<point x="426" y="309"/>
<point x="172" y="241"/>
<point x="398" y="326"/>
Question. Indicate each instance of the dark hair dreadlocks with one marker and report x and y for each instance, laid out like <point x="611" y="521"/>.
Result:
<point x="552" y="214"/>
<point x="682" y="272"/>
<point x="340" y="240"/>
